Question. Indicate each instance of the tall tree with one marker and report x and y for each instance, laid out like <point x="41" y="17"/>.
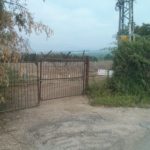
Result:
<point x="15" y="18"/>
<point x="143" y="31"/>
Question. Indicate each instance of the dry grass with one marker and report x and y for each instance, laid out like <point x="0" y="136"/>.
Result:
<point x="94" y="66"/>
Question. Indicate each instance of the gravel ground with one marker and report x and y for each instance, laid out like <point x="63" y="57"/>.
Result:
<point x="72" y="124"/>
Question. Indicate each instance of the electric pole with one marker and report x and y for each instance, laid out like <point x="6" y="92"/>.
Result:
<point x="126" y="19"/>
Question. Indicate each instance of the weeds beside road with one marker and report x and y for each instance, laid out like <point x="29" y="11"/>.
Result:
<point x="100" y="95"/>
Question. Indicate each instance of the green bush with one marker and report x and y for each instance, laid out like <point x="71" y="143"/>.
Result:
<point x="4" y="82"/>
<point x="100" y="93"/>
<point x="132" y="68"/>
<point x="7" y="76"/>
<point x="130" y="84"/>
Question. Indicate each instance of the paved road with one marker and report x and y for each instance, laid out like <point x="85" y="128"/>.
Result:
<point x="72" y="124"/>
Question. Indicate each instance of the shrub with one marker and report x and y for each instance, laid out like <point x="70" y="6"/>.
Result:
<point x="130" y="84"/>
<point x="132" y="68"/>
<point x="4" y="81"/>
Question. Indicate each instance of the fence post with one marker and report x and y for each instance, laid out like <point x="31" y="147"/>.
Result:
<point x="40" y="80"/>
<point x="86" y="72"/>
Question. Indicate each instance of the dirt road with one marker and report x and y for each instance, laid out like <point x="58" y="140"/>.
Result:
<point x="72" y="124"/>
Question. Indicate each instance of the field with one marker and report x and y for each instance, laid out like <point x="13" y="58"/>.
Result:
<point x="94" y="66"/>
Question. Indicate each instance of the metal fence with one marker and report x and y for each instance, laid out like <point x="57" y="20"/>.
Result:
<point x="62" y="77"/>
<point x="21" y="91"/>
<point x="30" y="83"/>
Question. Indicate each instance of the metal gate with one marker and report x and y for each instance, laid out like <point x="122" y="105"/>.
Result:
<point x="29" y="82"/>
<point x="62" y="78"/>
<point x="20" y="87"/>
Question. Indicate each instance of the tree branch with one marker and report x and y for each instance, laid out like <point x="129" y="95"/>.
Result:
<point x="17" y="4"/>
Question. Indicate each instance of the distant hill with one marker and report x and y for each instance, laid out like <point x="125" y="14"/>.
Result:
<point x="93" y="53"/>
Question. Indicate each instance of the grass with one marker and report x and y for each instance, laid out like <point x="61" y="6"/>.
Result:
<point x="121" y="101"/>
<point x="100" y="95"/>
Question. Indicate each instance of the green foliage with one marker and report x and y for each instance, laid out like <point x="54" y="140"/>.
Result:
<point x="130" y="84"/>
<point x="98" y="88"/>
<point x="108" y="57"/>
<point x="8" y="76"/>
<point x="100" y="93"/>
<point x="143" y="31"/>
<point x="13" y="75"/>
<point x="15" y="18"/>
<point x="4" y="82"/>
<point x="132" y="68"/>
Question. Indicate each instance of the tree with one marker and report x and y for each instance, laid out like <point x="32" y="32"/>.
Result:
<point x="132" y="67"/>
<point x="15" y="18"/>
<point x="108" y="57"/>
<point x="143" y="31"/>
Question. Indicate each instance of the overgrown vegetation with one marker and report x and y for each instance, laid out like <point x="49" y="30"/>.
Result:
<point x="132" y="67"/>
<point x="15" y="18"/>
<point x="143" y="31"/>
<point x="130" y="84"/>
<point x="4" y="82"/>
<point x="100" y="94"/>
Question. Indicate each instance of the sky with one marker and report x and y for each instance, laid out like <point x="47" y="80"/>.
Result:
<point x="80" y="24"/>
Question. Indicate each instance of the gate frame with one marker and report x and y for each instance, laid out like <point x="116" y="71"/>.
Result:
<point x="85" y="79"/>
<point x="86" y="75"/>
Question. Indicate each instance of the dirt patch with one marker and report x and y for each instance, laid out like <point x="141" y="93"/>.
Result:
<point x="71" y="123"/>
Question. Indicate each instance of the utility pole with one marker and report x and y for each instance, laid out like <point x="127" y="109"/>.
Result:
<point x="126" y="19"/>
